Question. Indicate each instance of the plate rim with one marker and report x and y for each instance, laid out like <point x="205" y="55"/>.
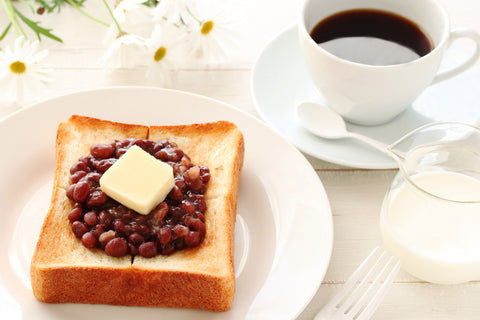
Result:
<point x="326" y="205"/>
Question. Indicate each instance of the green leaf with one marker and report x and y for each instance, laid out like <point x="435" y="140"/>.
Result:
<point x="4" y="33"/>
<point x="57" y="4"/>
<point x="36" y="28"/>
<point x="150" y="3"/>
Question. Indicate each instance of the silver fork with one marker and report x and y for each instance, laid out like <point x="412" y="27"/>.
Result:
<point x="361" y="302"/>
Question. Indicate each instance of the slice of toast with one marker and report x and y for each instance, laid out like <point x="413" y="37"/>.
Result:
<point x="63" y="270"/>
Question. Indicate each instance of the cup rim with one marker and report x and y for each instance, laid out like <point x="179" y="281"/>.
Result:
<point x="444" y="39"/>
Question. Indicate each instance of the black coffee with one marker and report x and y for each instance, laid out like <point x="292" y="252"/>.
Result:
<point x="372" y="36"/>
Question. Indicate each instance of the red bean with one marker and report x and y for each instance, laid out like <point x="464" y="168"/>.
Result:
<point x="136" y="238"/>
<point x="79" y="166"/>
<point x="176" y="193"/>
<point x="148" y="249"/>
<point x="192" y="239"/>
<point x="193" y="173"/>
<point x="205" y="174"/>
<point x="200" y="216"/>
<point x="70" y="190"/>
<point x="132" y="249"/>
<point x="90" y="218"/>
<point x="86" y="159"/>
<point x="192" y="178"/>
<point x="104" y="218"/>
<point x="99" y="229"/>
<point x="185" y="161"/>
<point x="80" y="193"/>
<point x="104" y="165"/>
<point x="101" y="151"/>
<point x="177" y="213"/>
<point x="195" y="224"/>
<point x="93" y="177"/>
<point x="180" y="230"/>
<point x="179" y="244"/>
<point x="105" y="237"/>
<point x="140" y="143"/>
<point x="188" y="206"/>
<point x="97" y="198"/>
<point x="120" y="152"/>
<point x="77" y="176"/>
<point x="141" y="228"/>
<point x="180" y="183"/>
<point x="200" y="203"/>
<point x="168" y="249"/>
<point x="79" y="229"/>
<point x="127" y="142"/>
<point x="75" y="214"/>
<point x="89" y="240"/>
<point x="119" y="226"/>
<point x="159" y="213"/>
<point x="173" y="154"/>
<point x="165" y="235"/>
<point x="117" y="247"/>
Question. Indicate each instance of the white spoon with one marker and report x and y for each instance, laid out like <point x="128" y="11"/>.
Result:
<point x="326" y="123"/>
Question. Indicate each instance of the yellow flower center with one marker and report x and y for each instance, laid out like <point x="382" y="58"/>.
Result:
<point x="160" y="54"/>
<point x="207" y="27"/>
<point x="18" y="67"/>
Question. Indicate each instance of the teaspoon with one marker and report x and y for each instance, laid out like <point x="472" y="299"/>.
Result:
<point x="326" y="123"/>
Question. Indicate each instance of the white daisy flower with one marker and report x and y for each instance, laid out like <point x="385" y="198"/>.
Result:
<point x="173" y="11"/>
<point x="212" y="38"/>
<point x="133" y="17"/>
<point x="121" y="9"/>
<point x="22" y="79"/>
<point x="127" y="51"/>
<point x="164" y="52"/>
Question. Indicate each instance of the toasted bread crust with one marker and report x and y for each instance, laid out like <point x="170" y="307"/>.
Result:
<point x="63" y="270"/>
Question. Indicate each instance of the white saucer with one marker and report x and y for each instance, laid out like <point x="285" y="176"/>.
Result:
<point x="280" y="81"/>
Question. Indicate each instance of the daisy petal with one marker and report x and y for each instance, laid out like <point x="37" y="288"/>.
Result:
<point x="22" y="79"/>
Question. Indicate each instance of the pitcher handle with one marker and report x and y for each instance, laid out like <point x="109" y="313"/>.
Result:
<point x="455" y="35"/>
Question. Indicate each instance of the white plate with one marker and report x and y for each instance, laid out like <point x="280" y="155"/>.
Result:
<point x="280" y="81"/>
<point x="284" y="227"/>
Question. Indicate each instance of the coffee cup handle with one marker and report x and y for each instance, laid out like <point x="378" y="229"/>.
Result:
<point x="454" y="35"/>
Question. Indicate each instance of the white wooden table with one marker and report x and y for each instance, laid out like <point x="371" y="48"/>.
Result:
<point x="355" y="194"/>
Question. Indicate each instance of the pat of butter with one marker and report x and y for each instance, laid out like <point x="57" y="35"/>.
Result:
<point x="138" y="180"/>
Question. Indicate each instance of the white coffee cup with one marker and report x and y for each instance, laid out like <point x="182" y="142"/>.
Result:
<point x="375" y="94"/>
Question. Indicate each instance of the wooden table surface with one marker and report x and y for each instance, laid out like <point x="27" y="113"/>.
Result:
<point x="355" y="195"/>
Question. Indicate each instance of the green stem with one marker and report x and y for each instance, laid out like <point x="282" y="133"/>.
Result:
<point x="76" y="6"/>
<point x="193" y="16"/>
<point x="120" y="31"/>
<point x="7" y="4"/>
<point x="5" y="31"/>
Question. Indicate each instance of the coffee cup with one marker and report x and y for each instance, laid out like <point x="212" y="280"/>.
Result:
<point x="371" y="94"/>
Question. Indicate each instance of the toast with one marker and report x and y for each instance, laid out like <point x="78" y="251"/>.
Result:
<point x="63" y="270"/>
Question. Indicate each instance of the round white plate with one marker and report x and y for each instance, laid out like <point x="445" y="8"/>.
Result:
<point x="283" y="231"/>
<point x="280" y="81"/>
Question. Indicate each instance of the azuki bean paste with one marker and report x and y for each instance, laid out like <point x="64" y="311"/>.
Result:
<point x="101" y="222"/>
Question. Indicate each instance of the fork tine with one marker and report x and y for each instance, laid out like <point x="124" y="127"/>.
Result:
<point x="350" y="283"/>
<point x="367" y="293"/>
<point x="382" y="291"/>
<point x="353" y="301"/>
<point x="356" y="298"/>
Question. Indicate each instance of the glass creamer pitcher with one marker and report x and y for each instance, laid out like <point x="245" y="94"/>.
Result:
<point x="430" y="217"/>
